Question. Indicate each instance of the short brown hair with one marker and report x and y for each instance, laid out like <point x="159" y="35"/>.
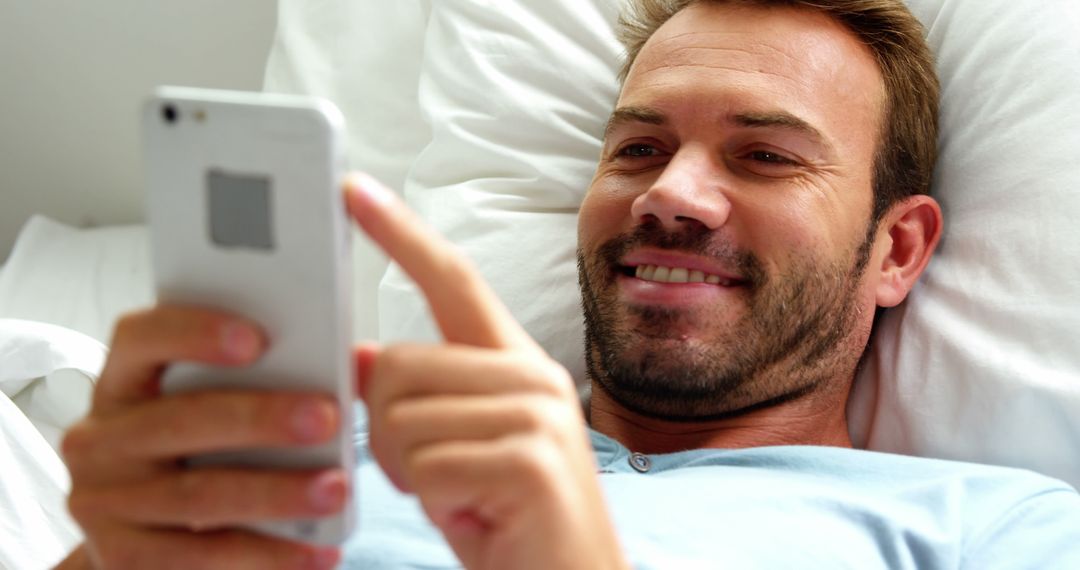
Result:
<point x="904" y="161"/>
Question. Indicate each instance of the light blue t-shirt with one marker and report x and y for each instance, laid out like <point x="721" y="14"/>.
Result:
<point x="779" y="507"/>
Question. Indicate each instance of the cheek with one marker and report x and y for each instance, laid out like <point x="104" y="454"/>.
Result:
<point x="812" y="222"/>
<point x="604" y="213"/>
<point x="778" y="231"/>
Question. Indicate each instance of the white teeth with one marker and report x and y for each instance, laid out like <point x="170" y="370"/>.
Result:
<point x="661" y="274"/>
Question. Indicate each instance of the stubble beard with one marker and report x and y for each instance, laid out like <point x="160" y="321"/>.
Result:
<point x="793" y="336"/>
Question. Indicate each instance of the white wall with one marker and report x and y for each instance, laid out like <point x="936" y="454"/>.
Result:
<point x="72" y="76"/>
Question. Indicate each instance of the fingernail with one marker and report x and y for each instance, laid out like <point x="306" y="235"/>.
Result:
<point x="366" y="184"/>
<point x="323" y="559"/>
<point x="327" y="492"/>
<point x="239" y="341"/>
<point x="309" y="420"/>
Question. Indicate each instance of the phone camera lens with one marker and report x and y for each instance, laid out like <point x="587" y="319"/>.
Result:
<point x="170" y="113"/>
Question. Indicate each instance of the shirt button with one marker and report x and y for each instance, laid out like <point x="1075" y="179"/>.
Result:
<point x="640" y="462"/>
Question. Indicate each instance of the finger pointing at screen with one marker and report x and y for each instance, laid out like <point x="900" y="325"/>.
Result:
<point x="485" y="429"/>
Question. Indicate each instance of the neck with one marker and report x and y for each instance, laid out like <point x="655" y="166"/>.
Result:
<point x="816" y="419"/>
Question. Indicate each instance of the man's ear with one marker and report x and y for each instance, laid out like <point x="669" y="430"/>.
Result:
<point x="912" y="228"/>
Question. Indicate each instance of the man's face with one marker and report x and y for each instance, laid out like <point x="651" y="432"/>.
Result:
<point x="723" y="241"/>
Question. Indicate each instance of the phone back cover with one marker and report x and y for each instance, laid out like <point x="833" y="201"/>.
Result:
<point x="292" y="276"/>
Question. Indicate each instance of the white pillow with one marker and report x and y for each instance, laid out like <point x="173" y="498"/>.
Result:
<point x="978" y="366"/>
<point x="364" y="55"/>
<point x="516" y="99"/>
<point x="81" y="279"/>
<point x="982" y="363"/>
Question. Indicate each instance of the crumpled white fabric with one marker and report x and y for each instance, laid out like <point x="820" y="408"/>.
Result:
<point x="47" y="374"/>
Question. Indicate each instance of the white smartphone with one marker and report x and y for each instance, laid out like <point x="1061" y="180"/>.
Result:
<point x="246" y="215"/>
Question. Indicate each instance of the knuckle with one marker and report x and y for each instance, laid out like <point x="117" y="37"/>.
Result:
<point x="181" y="426"/>
<point x="395" y="356"/>
<point x="551" y="378"/>
<point x="197" y="334"/>
<point x="237" y="415"/>
<point x="190" y="491"/>
<point x="558" y="418"/>
<point x="265" y="417"/>
<point x="559" y="422"/>
<point x="179" y="332"/>
<point x="128" y="325"/>
<point x="192" y="333"/>
<point x="560" y="380"/>
<point x="210" y="498"/>
<point x="238" y="495"/>
<point x="76" y="442"/>
<point x="533" y="465"/>
<point x="82" y="505"/>
<point x="530" y="415"/>
<point x="396" y="420"/>
<point x="526" y="462"/>
<point x="391" y="357"/>
<point x="234" y="546"/>
<point x="425" y="471"/>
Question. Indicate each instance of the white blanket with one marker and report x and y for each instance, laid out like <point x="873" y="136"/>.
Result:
<point x="79" y="279"/>
<point x="46" y="378"/>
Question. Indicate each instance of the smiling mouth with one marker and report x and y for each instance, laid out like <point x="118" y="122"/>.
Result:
<point x="662" y="274"/>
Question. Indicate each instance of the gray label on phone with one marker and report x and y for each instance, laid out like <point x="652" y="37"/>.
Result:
<point x="239" y="210"/>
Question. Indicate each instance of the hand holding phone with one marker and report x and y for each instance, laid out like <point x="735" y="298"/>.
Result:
<point x="246" y="216"/>
<point x="139" y="507"/>
<point x="227" y="408"/>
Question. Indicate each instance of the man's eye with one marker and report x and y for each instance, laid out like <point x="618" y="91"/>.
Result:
<point x="638" y="150"/>
<point x="771" y="158"/>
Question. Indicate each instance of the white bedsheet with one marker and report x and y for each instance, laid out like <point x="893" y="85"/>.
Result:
<point x="46" y="378"/>
<point x="78" y="279"/>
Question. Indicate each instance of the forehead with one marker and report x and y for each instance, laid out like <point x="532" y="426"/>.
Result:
<point x="728" y="59"/>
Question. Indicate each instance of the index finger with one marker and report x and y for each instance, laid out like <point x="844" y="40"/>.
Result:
<point x="145" y="342"/>
<point x="464" y="306"/>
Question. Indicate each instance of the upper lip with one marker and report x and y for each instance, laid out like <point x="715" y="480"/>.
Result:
<point x="664" y="258"/>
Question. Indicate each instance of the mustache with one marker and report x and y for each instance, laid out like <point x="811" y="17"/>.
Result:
<point x="695" y="239"/>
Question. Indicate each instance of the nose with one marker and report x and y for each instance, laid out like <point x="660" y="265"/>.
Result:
<point x="692" y="189"/>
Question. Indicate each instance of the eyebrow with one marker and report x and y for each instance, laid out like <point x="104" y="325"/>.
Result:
<point x="780" y="120"/>
<point x="764" y="120"/>
<point x="625" y="115"/>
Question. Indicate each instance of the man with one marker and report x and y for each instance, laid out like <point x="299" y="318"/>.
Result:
<point x="761" y="192"/>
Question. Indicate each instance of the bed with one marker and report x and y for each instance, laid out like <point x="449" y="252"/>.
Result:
<point x="980" y="364"/>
